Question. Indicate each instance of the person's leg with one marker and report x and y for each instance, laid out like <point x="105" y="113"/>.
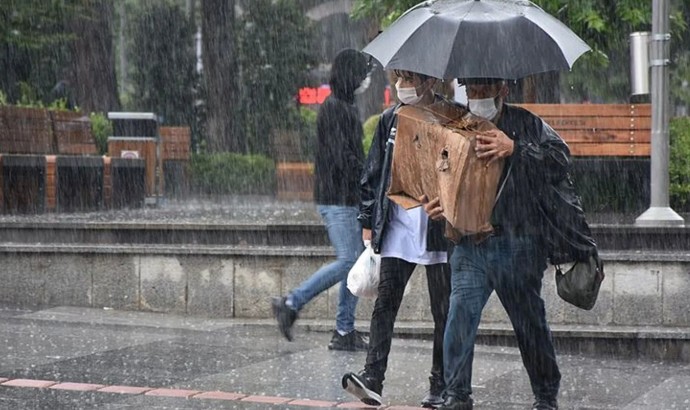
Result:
<point x="438" y="282"/>
<point x="368" y="384"/>
<point x="520" y="269"/>
<point x="395" y="273"/>
<point x="345" y="235"/>
<point x="470" y="289"/>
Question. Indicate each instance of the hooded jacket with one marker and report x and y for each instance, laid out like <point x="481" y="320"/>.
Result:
<point x="339" y="154"/>
<point x="374" y="206"/>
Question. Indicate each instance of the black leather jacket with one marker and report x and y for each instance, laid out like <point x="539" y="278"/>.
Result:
<point x="539" y="196"/>
<point x="374" y="205"/>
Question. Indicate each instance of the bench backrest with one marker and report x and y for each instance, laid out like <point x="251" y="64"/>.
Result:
<point x="25" y="131"/>
<point x="37" y="131"/>
<point x="600" y="129"/>
<point x="175" y="143"/>
<point x="72" y="132"/>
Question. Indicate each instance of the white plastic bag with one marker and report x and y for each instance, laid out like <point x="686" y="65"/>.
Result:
<point x="363" y="279"/>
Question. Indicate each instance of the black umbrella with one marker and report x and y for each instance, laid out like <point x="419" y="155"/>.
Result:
<point x="477" y="38"/>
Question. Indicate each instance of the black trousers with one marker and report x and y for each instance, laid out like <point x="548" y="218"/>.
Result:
<point x="395" y="273"/>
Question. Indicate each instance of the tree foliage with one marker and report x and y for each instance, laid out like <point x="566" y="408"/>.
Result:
<point x="164" y="57"/>
<point x="275" y="50"/>
<point x="33" y="46"/>
<point x="43" y="42"/>
<point x="604" y="24"/>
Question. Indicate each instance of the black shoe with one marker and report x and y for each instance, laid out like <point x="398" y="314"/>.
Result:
<point x="457" y="403"/>
<point x="545" y="404"/>
<point x="434" y="398"/>
<point x="285" y="316"/>
<point x="366" y="388"/>
<point x="350" y="342"/>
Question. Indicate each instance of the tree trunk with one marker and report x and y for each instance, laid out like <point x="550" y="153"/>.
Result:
<point x="93" y="65"/>
<point x="220" y="76"/>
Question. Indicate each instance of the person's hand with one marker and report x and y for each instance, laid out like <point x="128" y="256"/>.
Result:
<point x="432" y="208"/>
<point x="366" y="235"/>
<point x="493" y="145"/>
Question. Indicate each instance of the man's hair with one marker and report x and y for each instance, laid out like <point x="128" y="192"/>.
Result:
<point x="481" y="81"/>
<point x="406" y="73"/>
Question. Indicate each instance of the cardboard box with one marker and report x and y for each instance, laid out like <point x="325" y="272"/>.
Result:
<point x="434" y="156"/>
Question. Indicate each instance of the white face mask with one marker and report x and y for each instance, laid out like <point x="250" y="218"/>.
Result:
<point x="407" y="95"/>
<point x="363" y="85"/>
<point x="484" y="107"/>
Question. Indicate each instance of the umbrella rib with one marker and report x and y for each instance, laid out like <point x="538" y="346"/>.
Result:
<point x="446" y="74"/>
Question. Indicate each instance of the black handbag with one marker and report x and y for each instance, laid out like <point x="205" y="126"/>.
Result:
<point x="569" y="239"/>
<point x="580" y="284"/>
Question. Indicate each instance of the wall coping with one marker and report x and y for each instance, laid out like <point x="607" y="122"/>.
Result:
<point x="261" y="250"/>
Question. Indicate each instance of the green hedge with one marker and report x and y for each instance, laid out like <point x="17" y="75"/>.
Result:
<point x="369" y="129"/>
<point x="230" y="173"/>
<point x="101" y="128"/>
<point x="679" y="166"/>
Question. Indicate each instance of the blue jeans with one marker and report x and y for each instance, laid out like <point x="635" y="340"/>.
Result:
<point x="513" y="266"/>
<point x="345" y="233"/>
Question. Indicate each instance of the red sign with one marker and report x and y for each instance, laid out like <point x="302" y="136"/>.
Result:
<point x="312" y="95"/>
<point x="309" y="95"/>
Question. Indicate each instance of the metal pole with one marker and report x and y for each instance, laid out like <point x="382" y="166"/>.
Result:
<point x="659" y="212"/>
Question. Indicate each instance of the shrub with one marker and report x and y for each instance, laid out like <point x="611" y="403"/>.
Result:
<point x="307" y="133"/>
<point x="679" y="164"/>
<point x="369" y="129"/>
<point x="101" y="128"/>
<point x="231" y="173"/>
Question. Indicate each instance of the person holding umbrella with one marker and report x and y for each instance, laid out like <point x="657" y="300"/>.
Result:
<point x="338" y="165"/>
<point x="512" y="259"/>
<point x="404" y="239"/>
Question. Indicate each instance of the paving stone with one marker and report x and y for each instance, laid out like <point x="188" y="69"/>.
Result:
<point x="172" y="393"/>
<point x="125" y="389"/>
<point x="29" y="383"/>
<point x="76" y="386"/>
<point x="220" y="395"/>
<point x="266" y="399"/>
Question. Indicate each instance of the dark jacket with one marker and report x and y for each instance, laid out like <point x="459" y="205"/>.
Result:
<point x="373" y="209"/>
<point x="538" y="196"/>
<point x="339" y="154"/>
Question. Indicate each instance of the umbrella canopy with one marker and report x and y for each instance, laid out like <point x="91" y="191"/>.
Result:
<point x="477" y="38"/>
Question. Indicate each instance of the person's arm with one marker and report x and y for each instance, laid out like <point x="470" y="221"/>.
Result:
<point x="542" y="152"/>
<point x="371" y="174"/>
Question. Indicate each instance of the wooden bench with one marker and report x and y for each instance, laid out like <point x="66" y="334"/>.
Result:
<point x="73" y="134"/>
<point x="600" y="130"/>
<point x="176" y="143"/>
<point x="37" y="144"/>
<point x="611" y="147"/>
<point x="295" y="181"/>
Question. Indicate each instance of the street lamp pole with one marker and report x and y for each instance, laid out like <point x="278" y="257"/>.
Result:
<point x="659" y="212"/>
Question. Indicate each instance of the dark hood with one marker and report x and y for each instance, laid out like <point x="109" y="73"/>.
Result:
<point x="347" y="72"/>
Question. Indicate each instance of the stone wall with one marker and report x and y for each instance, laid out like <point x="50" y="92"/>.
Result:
<point x="640" y="289"/>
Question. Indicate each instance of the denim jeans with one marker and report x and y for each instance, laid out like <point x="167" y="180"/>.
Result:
<point x="513" y="266"/>
<point x="345" y="233"/>
<point x="395" y="273"/>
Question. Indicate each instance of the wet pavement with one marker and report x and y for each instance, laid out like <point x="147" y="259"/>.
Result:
<point x="222" y="210"/>
<point x="218" y="210"/>
<point x="81" y="358"/>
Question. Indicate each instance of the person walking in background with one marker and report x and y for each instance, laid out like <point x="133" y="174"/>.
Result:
<point x="512" y="259"/>
<point x="338" y="166"/>
<point x="404" y="238"/>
